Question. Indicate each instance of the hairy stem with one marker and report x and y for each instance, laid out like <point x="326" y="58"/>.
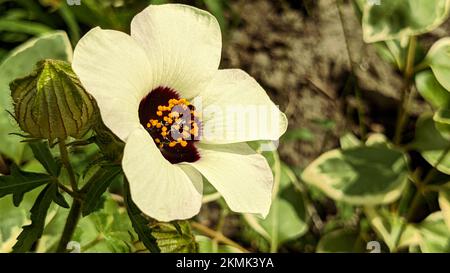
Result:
<point x="67" y="165"/>
<point x="75" y="210"/>
<point x="71" y="224"/>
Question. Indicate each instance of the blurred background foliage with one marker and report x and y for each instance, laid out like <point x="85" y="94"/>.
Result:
<point x="310" y="57"/>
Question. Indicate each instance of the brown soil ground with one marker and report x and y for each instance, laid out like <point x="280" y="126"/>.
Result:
<point x="299" y="54"/>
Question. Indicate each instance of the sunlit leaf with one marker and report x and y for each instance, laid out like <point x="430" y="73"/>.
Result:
<point x="444" y="203"/>
<point x="174" y="237"/>
<point x="362" y="176"/>
<point x="431" y="90"/>
<point x="394" y="230"/>
<point x="438" y="58"/>
<point x="287" y="218"/>
<point x="435" y="234"/>
<point x="349" y="140"/>
<point x="431" y="144"/>
<point x="396" y="19"/>
<point x="442" y="122"/>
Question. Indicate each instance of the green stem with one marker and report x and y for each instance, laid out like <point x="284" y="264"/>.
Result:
<point x="397" y="234"/>
<point x="67" y="165"/>
<point x="67" y="190"/>
<point x="415" y="204"/>
<point x="71" y="224"/>
<point x="406" y="94"/>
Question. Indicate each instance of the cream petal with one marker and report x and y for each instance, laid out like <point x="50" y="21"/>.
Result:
<point x="114" y="69"/>
<point x="184" y="44"/>
<point x="237" y="109"/>
<point x="161" y="190"/>
<point x="242" y="176"/>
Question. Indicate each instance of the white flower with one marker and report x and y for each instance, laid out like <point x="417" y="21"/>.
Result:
<point x="144" y="81"/>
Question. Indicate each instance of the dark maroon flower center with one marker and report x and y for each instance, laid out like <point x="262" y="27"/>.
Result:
<point x="173" y="123"/>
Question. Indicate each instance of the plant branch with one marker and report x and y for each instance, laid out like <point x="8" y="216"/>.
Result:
<point x="71" y="224"/>
<point x="67" y="165"/>
<point x="218" y="236"/>
<point x="68" y="191"/>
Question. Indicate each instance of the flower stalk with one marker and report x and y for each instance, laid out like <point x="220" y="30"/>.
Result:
<point x="75" y="210"/>
<point x="71" y="224"/>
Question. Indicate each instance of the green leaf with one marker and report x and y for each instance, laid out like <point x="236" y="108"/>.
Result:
<point x="33" y="232"/>
<point x="19" y="183"/>
<point x="435" y="234"/>
<point x="361" y="176"/>
<point x="97" y="185"/>
<point x="19" y="63"/>
<point x="216" y="7"/>
<point x="340" y="241"/>
<point x="398" y="51"/>
<point x="394" y="230"/>
<point x="438" y="58"/>
<point x="431" y="90"/>
<point x="23" y="27"/>
<point x="287" y="218"/>
<point x="377" y="139"/>
<point x="141" y="224"/>
<point x="71" y="22"/>
<point x="349" y="140"/>
<point x="41" y="152"/>
<point x="107" y="230"/>
<point x="444" y="203"/>
<point x="12" y="219"/>
<point x="206" y="245"/>
<point x="60" y="200"/>
<point x="442" y="122"/>
<point x="302" y="134"/>
<point x="431" y="144"/>
<point x="397" y="19"/>
<point x="174" y="237"/>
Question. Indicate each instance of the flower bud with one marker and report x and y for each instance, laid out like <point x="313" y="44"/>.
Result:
<point x="51" y="103"/>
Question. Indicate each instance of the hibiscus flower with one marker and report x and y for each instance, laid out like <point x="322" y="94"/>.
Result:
<point x="181" y="118"/>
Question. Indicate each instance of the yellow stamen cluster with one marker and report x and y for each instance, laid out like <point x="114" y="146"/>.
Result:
<point x="177" y="122"/>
